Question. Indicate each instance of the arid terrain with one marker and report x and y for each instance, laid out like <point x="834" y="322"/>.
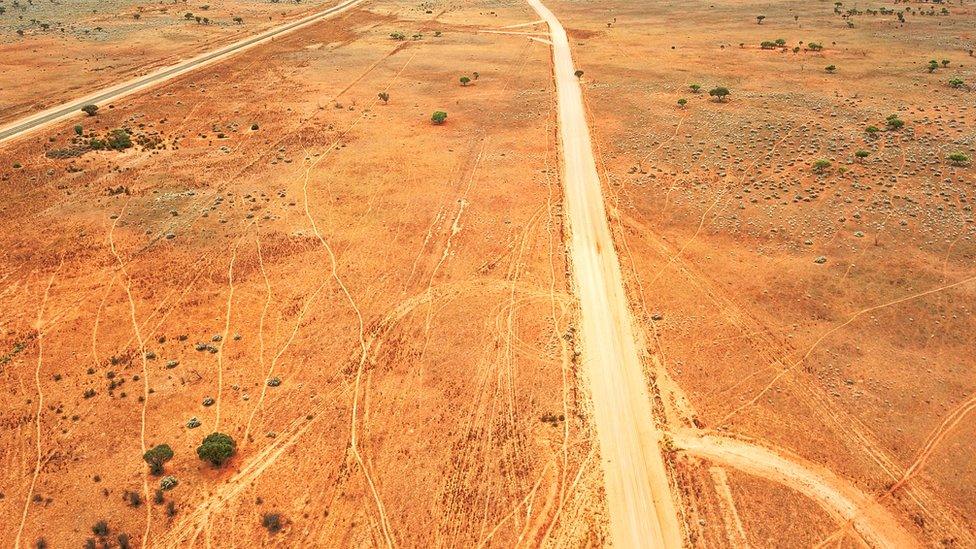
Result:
<point x="667" y="275"/>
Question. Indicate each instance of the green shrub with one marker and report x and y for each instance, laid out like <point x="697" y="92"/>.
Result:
<point x="217" y="448"/>
<point x="719" y="93"/>
<point x="438" y="117"/>
<point x="90" y="110"/>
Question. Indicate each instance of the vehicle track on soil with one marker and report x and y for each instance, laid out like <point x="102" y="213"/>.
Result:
<point x="36" y="121"/>
<point x="642" y="511"/>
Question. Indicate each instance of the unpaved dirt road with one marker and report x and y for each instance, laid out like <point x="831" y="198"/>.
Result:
<point x="642" y="512"/>
<point x="835" y="495"/>
<point x="72" y="108"/>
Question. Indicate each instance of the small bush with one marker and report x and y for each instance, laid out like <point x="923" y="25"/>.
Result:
<point x="168" y="482"/>
<point x="100" y="528"/>
<point x="272" y="522"/>
<point x="958" y="158"/>
<point x="90" y="110"/>
<point x="438" y="117"/>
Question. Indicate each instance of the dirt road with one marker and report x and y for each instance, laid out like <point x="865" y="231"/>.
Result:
<point x="72" y="108"/>
<point x="835" y="495"/>
<point x="642" y="513"/>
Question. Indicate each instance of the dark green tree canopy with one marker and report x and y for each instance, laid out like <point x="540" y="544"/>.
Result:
<point x="217" y="448"/>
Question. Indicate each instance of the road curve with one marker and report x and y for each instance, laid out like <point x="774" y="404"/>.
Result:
<point x="841" y="499"/>
<point x="36" y="121"/>
<point x="642" y="512"/>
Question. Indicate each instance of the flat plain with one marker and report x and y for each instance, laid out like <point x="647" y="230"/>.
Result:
<point x="381" y="312"/>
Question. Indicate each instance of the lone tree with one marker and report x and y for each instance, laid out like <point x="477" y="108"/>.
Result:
<point x="475" y="75"/>
<point x="217" y="448"/>
<point x="438" y="117"/>
<point x="384" y="96"/>
<point x="464" y="80"/>
<point x="695" y="88"/>
<point x="578" y="73"/>
<point x="820" y="166"/>
<point x="719" y="93"/>
<point x="759" y="19"/>
<point x="157" y="456"/>
<point x="830" y="69"/>
<point x="862" y="154"/>
<point x="682" y="102"/>
<point x="958" y="158"/>
<point x="90" y="110"/>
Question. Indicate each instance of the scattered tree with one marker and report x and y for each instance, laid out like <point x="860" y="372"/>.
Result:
<point x="815" y="46"/>
<point x="385" y="97"/>
<point x="79" y="130"/>
<point x="90" y="110"/>
<point x="578" y="73"/>
<point x="956" y="82"/>
<point x="100" y="528"/>
<point x="695" y="88"/>
<point x="933" y="64"/>
<point x="894" y="123"/>
<point x="759" y="19"/>
<point x="476" y="75"/>
<point x="719" y="93"/>
<point x="156" y="457"/>
<point x="464" y="80"/>
<point x="862" y="154"/>
<point x="820" y="166"/>
<point x="682" y="102"/>
<point x="217" y="448"/>
<point x="830" y="68"/>
<point x="438" y="117"/>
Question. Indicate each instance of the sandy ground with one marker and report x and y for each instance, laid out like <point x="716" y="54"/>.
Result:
<point x="412" y="302"/>
<point x="857" y="364"/>
<point x="89" y="45"/>
<point x="408" y="287"/>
